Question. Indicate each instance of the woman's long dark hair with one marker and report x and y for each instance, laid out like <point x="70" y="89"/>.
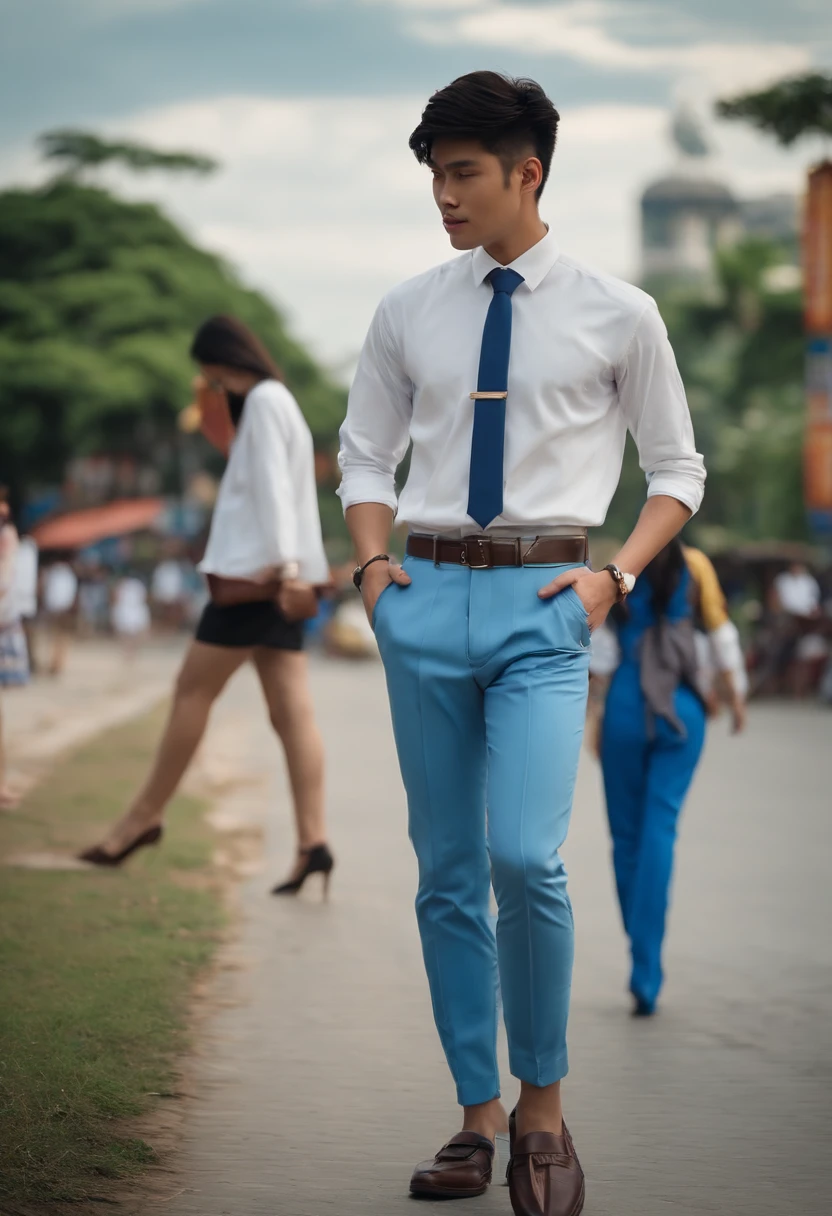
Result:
<point x="664" y="575"/>
<point x="226" y="341"/>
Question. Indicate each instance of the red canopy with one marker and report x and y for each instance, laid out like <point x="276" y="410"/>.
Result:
<point x="78" y="529"/>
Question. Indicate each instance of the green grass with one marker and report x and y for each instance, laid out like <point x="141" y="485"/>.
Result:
<point x="95" y="974"/>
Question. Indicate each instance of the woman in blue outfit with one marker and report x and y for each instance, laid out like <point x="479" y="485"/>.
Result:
<point x="650" y="742"/>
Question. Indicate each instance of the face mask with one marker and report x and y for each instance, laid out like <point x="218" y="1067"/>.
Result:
<point x="236" y="401"/>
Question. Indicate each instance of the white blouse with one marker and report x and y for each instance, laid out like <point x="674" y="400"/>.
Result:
<point x="266" y="514"/>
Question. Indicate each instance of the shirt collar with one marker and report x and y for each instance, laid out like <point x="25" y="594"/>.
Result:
<point x="533" y="265"/>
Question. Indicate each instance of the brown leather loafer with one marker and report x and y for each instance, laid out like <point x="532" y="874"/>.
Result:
<point x="460" y="1170"/>
<point x="545" y="1176"/>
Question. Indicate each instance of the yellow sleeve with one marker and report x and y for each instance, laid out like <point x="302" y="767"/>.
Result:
<point x="712" y="606"/>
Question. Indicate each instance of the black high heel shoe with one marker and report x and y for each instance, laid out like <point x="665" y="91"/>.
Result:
<point x="319" y="860"/>
<point x="96" y="856"/>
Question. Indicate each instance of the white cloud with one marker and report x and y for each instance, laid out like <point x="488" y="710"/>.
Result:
<point x="321" y="204"/>
<point x="579" y="29"/>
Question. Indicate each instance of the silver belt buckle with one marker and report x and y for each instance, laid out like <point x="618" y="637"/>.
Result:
<point x="467" y="562"/>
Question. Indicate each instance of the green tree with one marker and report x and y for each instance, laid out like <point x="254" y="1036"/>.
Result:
<point x="99" y="299"/>
<point x="80" y="150"/>
<point x="789" y="110"/>
<point x="740" y="354"/>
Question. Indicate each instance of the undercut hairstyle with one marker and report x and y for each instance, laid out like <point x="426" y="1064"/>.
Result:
<point x="226" y="342"/>
<point x="510" y="118"/>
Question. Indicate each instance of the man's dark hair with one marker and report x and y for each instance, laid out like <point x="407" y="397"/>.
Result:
<point x="508" y="117"/>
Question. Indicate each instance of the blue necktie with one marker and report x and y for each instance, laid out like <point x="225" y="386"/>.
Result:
<point x="485" y="485"/>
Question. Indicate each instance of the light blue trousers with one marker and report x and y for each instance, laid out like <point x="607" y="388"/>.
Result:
<point x="488" y="689"/>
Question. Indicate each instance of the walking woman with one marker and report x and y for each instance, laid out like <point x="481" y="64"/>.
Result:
<point x="651" y="739"/>
<point x="264" y="563"/>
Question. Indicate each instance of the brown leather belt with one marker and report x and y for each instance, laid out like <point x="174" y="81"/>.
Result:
<point x="484" y="552"/>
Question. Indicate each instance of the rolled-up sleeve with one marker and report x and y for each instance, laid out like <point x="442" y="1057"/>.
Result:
<point x="652" y="396"/>
<point x="375" y="433"/>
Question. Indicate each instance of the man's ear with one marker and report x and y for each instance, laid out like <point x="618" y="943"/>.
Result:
<point x="531" y="175"/>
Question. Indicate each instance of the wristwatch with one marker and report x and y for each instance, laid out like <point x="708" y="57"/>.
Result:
<point x="358" y="572"/>
<point x="624" y="582"/>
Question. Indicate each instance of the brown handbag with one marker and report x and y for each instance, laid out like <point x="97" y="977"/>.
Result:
<point x="226" y="592"/>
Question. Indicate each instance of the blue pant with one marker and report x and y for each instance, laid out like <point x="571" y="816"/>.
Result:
<point x="488" y="688"/>
<point x="646" y="780"/>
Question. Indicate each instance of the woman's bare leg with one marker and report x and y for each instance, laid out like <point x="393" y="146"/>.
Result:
<point x="285" y="680"/>
<point x="205" y="672"/>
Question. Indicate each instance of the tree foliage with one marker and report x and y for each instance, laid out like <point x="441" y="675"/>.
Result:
<point x="790" y="109"/>
<point x="80" y="150"/>
<point x="99" y="300"/>
<point x="740" y="354"/>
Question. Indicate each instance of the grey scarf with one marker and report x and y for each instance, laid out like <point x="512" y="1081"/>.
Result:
<point x="667" y="656"/>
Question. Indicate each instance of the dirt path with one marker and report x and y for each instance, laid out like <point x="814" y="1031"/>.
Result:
<point x="96" y="690"/>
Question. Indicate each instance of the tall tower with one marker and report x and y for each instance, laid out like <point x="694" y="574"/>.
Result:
<point x="688" y="215"/>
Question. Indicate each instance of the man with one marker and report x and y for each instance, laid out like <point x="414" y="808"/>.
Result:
<point x="515" y="373"/>
<point x="795" y="607"/>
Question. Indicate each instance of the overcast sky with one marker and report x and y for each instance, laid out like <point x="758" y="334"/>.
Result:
<point x="308" y="104"/>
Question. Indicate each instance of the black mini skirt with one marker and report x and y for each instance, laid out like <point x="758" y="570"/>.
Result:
<point x="246" y="625"/>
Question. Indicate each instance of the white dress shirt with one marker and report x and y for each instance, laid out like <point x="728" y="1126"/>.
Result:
<point x="266" y="514"/>
<point x="589" y="359"/>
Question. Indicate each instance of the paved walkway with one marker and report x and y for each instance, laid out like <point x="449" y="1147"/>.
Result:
<point x="319" y="1080"/>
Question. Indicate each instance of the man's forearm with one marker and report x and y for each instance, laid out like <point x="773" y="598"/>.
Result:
<point x="661" y="519"/>
<point x="370" y="525"/>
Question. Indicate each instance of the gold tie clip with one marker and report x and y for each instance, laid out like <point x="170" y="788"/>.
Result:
<point x="488" y="396"/>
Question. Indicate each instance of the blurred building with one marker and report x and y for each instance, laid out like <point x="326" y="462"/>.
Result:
<point x="689" y="214"/>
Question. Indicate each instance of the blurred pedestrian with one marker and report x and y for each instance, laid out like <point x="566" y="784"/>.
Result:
<point x="651" y="736"/>
<point x="263" y="562"/>
<point x="130" y="614"/>
<point x="14" y="659"/>
<point x="796" y="648"/>
<point x="94" y="598"/>
<point x="60" y="591"/>
<point x="26" y="593"/>
<point x="167" y="592"/>
<point x="797" y="592"/>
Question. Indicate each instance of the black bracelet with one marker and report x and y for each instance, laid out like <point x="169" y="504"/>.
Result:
<point x="358" y="572"/>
